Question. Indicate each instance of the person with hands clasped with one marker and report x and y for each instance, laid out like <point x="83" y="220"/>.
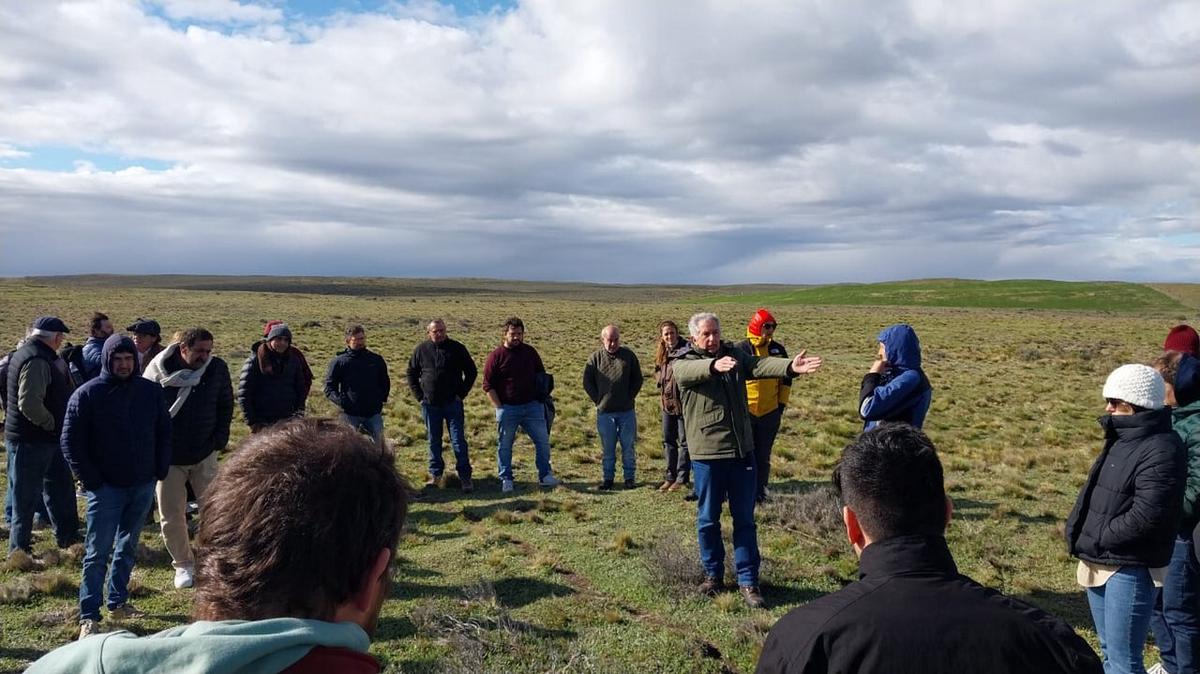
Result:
<point x="896" y="388"/>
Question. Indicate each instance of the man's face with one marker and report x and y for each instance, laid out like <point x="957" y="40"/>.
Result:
<point x="436" y="332"/>
<point x="708" y="338"/>
<point x="104" y="331"/>
<point x="58" y="340"/>
<point x="196" y="355"/>
<point x="514" y="336"/>
<point x="279" y="344"/>
<point x="143" y="341"/>
<point x="611" y="339"/>
<point x="122" y="364"/>
<point x="357" y="341"/>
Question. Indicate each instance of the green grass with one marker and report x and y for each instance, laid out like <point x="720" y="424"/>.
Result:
<point x="572" y="579"/>
<point x="1016" y="294"/>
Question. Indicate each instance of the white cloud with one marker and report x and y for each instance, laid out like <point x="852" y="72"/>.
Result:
<point x="615" y="141"/>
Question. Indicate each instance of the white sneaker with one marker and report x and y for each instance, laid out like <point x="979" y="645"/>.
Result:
<point x="506" y="486"/>
<point x="183" y="578"/>
<point x="1157" y="669"/>
<point x="549" y="480"/>
<point x="87" y="628"/>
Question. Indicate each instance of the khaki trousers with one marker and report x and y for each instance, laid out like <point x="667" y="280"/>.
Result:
<point x="172" y="506"/>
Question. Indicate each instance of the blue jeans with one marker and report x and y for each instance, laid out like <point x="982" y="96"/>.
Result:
<point x="39" y="472"/>
<point x="42" y="509"/>
<point x="716" y="481"/>
<point x="114" y="515"/>
<point x="532" y="418"/>
<point x="372" y="425"/>
<point x="1121" y="609"/>
<point x="614" y="426"/>
<point x="451" y="416"/>
<point x="1176" y="622"/>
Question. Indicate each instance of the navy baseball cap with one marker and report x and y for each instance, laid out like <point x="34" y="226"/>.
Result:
<point x="145" y="326"/>
<point x="50" y="324"/>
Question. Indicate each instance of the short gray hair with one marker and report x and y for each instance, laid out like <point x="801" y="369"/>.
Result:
<point x="696" y="319"/>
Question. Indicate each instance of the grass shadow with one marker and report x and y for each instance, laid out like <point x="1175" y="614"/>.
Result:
<point x="1070" y="606"/>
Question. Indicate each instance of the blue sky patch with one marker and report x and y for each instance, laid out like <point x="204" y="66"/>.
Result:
<point x="62" y="159"/>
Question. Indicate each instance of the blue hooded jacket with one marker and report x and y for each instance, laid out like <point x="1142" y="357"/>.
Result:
<point x="903" y="392"/>
<point x="117" y="431"/>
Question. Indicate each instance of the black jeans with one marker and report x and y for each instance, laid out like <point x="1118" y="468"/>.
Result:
<point x="679" y="463"/>
<point x="765" y="428"/>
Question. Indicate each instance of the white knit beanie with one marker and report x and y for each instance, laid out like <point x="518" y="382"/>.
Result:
<point x="1139" y="385"/>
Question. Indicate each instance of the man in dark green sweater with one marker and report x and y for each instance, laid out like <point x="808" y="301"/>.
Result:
<point x="612" y="379"/>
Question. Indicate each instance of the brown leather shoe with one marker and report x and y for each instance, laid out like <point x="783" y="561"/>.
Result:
<point x="752" y="596"/>
<point x="665" y="486"/>
<point x="712" y="586"/>
<point x="675" y="486"/>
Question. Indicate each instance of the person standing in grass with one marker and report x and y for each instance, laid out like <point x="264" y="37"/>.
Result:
<point x="199" y="395"/>
<point x="510" y="379"/>
<point x="911" y="611"/>
<point x="612" y="379"/>
<point x="147" y="338"/>
<point x="712" y="382"/>
<point x="276" y="592"/>
<point x="679" y="463"/>
<point x="1176" y="621"/>
<point x="87" y="367"/>
<point x="1124" y="522"/>
<point x="357" y="383"/>
<point x="117" y="439"/>
<point x="766" y="398"/>
<point x="272" y="386"/>
<point x="38" y="388"/>
<point x="440" y="375"/>
<point x="896" y="388"/>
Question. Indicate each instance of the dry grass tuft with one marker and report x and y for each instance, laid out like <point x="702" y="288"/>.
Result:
<point x="21" y="562"/>
<point x="622" y="542"/>
<point x="673" y="566"/>
<point x="727" y="602"/>
<point x="816" y="512"/>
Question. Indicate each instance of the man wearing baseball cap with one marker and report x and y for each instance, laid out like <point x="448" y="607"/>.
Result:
<point x="38" y="387"/>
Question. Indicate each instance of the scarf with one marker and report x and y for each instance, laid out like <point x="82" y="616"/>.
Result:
<point x="183" y="379"/>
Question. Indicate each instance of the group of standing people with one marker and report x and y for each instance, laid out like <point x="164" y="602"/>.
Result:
<point x="1134" y="521"/>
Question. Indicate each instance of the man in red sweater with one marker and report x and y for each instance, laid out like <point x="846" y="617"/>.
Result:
<point x="511" y="380"/>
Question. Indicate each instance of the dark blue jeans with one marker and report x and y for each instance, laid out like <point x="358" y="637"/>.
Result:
<point x="42" y="509"/>
<point x="114" y="520"/>
<point x="449" y="415"/>
<point x="38" y="467"/>
<point x="1176" y="619"/>
<point x="717" y="481"/>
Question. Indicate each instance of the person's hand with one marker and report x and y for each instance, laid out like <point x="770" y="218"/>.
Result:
<point x="879" y="366"/>
<point x="806" y="364"/>
<point x="725" y="364"/>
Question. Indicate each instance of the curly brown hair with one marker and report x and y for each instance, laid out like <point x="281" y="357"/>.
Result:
<point x="294" y="520"/>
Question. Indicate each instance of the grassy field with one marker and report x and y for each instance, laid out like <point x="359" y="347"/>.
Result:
<point x="573" y="579"/>
<point x="1016" y="294"/>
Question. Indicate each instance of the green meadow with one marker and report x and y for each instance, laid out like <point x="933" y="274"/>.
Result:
<point x="577" y="580"/>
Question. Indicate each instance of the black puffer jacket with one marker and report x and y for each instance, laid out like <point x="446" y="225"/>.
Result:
<point x="266" y="397"/>
<point x="357" y="382"/>
<point x="1128" y="511"/>
<point x="201" y="426"/>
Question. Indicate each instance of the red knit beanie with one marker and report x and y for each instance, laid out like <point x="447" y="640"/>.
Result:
<point x="1183" y="338"/>
<point x="761" y="316"/>
<point x="268" y="326"/>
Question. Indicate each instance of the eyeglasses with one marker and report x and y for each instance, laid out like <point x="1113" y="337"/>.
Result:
<point x="769" y="326"/>
<point x="1115" y="402"/>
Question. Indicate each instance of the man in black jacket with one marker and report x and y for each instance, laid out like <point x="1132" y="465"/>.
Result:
<point x="357" y="383"/>
<point x="441" y="374"/>
<point x="911" y="610"/>
<point x="199" y="396"/>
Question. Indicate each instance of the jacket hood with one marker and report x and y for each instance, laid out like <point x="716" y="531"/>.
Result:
<point x="1187" y="381"/>
<point x="112" y="345"/>
<point x="901" y="346"/>
<point x="232" y="646"/>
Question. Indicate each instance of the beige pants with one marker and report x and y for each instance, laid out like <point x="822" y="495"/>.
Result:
<point x="172" y="506"/>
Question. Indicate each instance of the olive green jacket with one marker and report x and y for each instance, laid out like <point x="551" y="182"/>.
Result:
<point x="1186" y="422"/>
<point x="716" y="417"/>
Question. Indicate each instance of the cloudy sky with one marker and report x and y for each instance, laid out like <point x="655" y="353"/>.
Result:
<point x="693" y="141"/>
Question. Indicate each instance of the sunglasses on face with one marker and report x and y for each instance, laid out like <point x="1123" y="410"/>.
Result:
<point x="769" y="326"/>
<point x="1115" y="402"/>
